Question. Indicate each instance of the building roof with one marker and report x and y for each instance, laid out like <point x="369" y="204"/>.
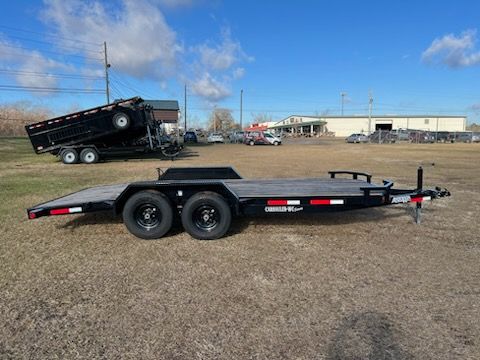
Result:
<point x="163" y="104"/>
<point x="315" y="121"/>
<point x="376" y="116"/>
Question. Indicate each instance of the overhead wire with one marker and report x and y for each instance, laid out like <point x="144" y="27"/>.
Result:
<point x="50" y="35"/>
<point x="50" y="89"/>
<point x="54" y="75"/>
<point x="47" y="52"/>
<point x="67" y="47"/>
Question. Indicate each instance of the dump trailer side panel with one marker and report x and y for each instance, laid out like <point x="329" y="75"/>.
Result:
<point x="93" y="126"/>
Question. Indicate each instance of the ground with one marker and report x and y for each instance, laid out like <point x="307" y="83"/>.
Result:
<point x="368" y="284"/>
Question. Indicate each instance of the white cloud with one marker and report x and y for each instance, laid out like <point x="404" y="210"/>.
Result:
<point x="175" y="3"/>
<point x="29" y="64"/>
<point x="217" y="67"/>
<point x="238" y="73"/>
<point x="454" y="51"/>
<point x="222" y="56"/>
<point x="140" y="42"/>
<point x="209" y="88"/>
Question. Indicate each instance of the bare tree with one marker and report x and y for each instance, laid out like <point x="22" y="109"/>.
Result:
<point x="14" y="117"/>
<point x="259" y="118"/>
<point x="222" y="120"/>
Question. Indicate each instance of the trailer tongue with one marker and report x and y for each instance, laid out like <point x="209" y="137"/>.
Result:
<point x="207" y="198"/>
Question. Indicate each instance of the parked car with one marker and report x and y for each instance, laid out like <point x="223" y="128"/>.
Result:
<point x="382" y="136"/>
<point x="357" y="138"/>
<point x="261" y="138"/>
<point x="476" y="137"/>
<point x="190" y="137"/>
<point x="236" y="136"/>
<point x="215" y="138"/>
<point x="423" y="137"/>
<point x="401" y="134"/>
<point x="462" y="137"/>
<point x="443" y="136"/>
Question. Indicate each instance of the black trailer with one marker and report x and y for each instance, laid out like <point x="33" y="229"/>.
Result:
<point x="206" y="199"/>
<point x="123" y="128"/>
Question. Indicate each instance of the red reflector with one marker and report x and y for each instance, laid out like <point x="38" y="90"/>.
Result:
<point x="416" y="199"/>
<point x="320" y="202"/>
<point x="276" y="202"/>
<point x="59" y="211"/>
<point x="32" y="215"/>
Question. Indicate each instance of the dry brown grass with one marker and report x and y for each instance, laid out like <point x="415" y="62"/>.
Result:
<point x="368" y="284"/>
<point x="14" y="117"/>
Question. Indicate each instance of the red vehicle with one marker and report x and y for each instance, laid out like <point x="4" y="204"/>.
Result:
<point x="261" y="138"/>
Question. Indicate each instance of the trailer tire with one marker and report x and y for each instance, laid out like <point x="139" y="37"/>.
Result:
<point x="148" y="214"/>
<point x="69" y="156"/>
<point x="206" y="216"/>
<point x="121" y="121"/>
<point x="89" y="156"/>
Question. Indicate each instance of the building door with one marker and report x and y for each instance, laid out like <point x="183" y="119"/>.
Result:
<point x="383" y="125"/>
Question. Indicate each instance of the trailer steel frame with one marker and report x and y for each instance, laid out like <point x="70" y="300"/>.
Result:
<point x="179" y="187"/>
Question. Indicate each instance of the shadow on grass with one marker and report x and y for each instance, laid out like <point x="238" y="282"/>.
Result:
<point x="241" y="223"/>
<point x="366" y="335"/>
<point x="184" y="154"/>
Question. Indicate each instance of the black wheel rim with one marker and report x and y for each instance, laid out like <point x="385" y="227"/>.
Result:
<point x="206" y="217"/>
<point x="147" y="216"/>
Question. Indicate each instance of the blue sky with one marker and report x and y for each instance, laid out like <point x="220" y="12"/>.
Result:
<point x="288" y="57"/>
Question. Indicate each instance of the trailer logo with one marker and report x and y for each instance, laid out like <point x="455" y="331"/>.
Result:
<point x="283" y="208"/>
<point x="402" y="199"/>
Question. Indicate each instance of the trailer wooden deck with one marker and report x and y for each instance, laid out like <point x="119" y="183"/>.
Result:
<point x="242" y="188"/>
<point x="261" y="188"/>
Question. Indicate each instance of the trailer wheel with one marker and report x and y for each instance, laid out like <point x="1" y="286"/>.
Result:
<point x="148" y="215"/>
<point x="89" y="156"/>
<point x="69" y="156"/>
<point x="206" y="216"/>
<point x="121" y="121"/>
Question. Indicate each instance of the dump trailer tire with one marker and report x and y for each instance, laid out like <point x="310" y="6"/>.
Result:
<point x="121" y="121"/>
<point x="148" y="214"/>
<point x="69" y="156"/>
<point x="89" y="156"/>
<point x="206" y="216"/>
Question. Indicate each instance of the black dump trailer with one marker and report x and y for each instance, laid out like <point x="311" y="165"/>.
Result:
<point x="126" y="127"/>
<point x="206" y="199"/>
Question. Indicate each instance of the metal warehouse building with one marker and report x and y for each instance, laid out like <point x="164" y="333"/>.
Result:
<point x="346" y="125"/>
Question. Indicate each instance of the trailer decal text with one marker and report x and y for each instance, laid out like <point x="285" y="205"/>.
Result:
<point x="283" y="208"/>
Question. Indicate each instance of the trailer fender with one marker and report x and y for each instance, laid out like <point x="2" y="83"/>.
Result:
<point x="179" y="193"/>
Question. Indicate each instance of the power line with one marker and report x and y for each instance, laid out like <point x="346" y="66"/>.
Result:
<point x="127" y="85"/>
<point x="50" y="35"/>
<point x="50" y="89"/>
<point x="47" y="52"/>
<point x="54" y="75"/>
<point x="55" y="44"/>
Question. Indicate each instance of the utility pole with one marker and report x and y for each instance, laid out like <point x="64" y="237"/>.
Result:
<point x="107" y="65"/>
<point x="185" y="109"/>
<point x="343" y="94"/>
<point x="241" y="109"/>
<point x="370" y="103"/>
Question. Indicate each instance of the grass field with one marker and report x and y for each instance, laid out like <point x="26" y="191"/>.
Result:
<point x="368" y="284"/>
